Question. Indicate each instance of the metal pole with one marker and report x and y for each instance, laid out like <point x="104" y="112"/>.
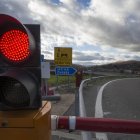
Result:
<point x="46" y="86"/>
<point x="57" y="81"/>
<point x="68" y="81"/>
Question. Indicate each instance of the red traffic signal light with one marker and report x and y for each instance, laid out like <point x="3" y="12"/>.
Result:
<point x="20" y="76"/>
<point x="15" y="45"/>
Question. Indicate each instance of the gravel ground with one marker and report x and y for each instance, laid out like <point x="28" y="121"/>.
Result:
<point x="60" y="107"/>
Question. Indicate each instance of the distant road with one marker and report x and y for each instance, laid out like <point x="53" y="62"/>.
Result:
<point x="111" y="73"/>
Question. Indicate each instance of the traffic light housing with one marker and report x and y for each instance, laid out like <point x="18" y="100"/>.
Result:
<point x="20" y="74"/>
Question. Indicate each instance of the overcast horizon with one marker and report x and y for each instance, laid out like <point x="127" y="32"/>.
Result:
<point x="99" y="32"/>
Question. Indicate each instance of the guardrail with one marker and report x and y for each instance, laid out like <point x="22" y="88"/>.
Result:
<point x="82" y="110"/>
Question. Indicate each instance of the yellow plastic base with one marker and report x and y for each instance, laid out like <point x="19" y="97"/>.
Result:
<point x="26" y="124"/>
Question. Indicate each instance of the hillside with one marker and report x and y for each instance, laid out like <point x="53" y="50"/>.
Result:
<point x="120" y="66"/>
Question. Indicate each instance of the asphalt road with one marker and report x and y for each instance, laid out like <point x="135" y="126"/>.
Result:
<point x="121" y="99"/>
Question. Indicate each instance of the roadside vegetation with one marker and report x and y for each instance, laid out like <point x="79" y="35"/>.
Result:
<point x="61" y="80"/>
<point x="70" y="80"/>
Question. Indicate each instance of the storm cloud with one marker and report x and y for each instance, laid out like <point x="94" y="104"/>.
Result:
<point x="108" y="23"/>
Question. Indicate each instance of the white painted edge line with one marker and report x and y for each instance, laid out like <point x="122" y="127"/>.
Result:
<point x="99" y="111"/>
<point x="98" y="105"/>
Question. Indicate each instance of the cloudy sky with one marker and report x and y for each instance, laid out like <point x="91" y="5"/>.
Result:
<point x="99" y="31"/>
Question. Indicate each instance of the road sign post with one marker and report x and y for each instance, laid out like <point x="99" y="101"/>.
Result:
<point x="63" y="57"/>
<point x="79" y="77"/>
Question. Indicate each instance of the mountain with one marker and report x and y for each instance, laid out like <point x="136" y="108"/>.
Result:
<point x="131" y="65"/>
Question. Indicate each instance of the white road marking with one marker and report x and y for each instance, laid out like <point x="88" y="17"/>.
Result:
<point x="99" y="112"/>
<point x="106" y="113"/>
<point x="98" y="105"/>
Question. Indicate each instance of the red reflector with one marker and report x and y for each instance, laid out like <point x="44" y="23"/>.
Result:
<point x="14" y="45"/>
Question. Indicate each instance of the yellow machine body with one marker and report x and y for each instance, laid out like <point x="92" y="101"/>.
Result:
<point x="26" y="124"/>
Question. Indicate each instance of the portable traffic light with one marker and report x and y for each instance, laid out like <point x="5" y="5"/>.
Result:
<point x="20" y="76"/>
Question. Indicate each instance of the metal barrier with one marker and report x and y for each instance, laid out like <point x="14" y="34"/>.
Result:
<point x="82" y="110"/>
<point x="72" y="123"/>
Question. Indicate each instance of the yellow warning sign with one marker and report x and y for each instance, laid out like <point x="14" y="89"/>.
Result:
<point x="62" y="56"/>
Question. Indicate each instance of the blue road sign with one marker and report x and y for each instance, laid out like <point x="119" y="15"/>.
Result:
<point x="65" y="71"/>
